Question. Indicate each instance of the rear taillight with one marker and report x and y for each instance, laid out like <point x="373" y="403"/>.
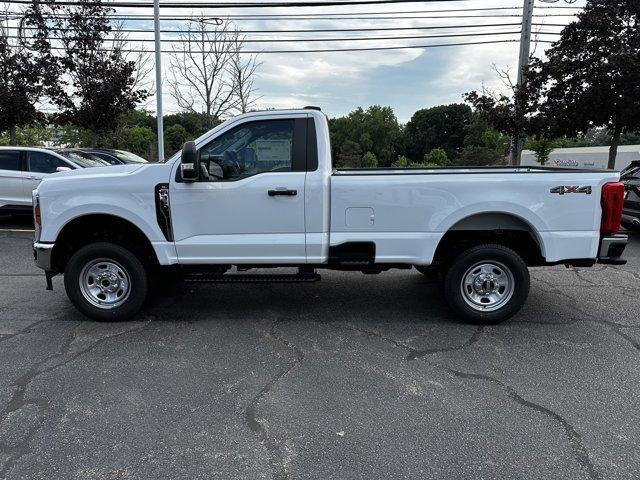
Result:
<point x="36" y="211"/>
<point x="612" y="204"/>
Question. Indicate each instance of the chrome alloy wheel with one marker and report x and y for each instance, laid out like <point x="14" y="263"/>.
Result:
<point x="104" y="283"/>
<point x="487" y="286"/>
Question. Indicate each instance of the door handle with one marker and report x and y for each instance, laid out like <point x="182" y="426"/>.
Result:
<point x="282" y="192"/>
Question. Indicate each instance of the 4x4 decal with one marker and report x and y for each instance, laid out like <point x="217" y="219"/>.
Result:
<point x="572" y="189"/>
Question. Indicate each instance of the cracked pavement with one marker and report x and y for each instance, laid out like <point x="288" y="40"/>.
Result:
<point x="353" y="377"/>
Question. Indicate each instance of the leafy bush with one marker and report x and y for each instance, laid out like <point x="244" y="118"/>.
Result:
<point x="401" y="162"/>
<point x="542" y="147"/>
<point x="369" y="160"/>
<point x="437" y="157"/>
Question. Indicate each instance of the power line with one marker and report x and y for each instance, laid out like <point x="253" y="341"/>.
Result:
<point x="284" y="17"/>
<point x="333" y="50"/>
<point x="293" y="4"/>
<point x="302" y="40"/>
<point x="312" y="30"/>
<point x="325" y="30"/>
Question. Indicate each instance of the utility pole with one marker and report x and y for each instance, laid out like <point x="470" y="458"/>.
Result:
<point x="525" y="53"/>
<point x="156" y="25"/>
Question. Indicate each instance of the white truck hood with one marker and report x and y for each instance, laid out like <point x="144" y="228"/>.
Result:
<point x="97" y="171"/>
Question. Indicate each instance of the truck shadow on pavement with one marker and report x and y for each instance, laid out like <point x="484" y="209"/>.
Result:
<point x="394" y="296"/>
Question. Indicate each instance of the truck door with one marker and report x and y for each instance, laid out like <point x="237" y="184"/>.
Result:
<point x="248" y="206"/>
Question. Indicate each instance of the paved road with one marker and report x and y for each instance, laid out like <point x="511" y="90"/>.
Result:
<point x="353" y="377"/>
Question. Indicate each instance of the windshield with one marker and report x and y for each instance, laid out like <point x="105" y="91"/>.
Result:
<point x="128" y="157"/>
<point x="82" y="159"/>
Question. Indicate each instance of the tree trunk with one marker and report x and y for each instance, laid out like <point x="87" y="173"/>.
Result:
<point x="12" y="136"/>
<point x="613" y="151"/>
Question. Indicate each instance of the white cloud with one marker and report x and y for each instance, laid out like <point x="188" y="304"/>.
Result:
<point x="404" y="79"/>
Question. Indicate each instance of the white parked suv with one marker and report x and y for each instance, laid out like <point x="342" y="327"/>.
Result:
<point x="23" y="168"/>
<point x="259" y="191"/>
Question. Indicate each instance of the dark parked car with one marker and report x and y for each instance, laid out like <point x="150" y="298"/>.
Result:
<point x="115" y="157"/>
<point x="630" y="176"/>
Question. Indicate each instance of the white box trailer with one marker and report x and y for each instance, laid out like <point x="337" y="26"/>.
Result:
<point x="585" y="157"/>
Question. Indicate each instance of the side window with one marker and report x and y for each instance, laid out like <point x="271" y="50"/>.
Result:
<point x="41" y="162"/>
<point x="249" y="149"/>
<point x="10" y="160"/>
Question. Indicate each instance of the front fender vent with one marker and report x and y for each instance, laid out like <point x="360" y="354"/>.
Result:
<point x="163" y="210"/>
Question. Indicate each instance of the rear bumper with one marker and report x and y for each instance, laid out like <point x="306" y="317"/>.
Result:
<point x="611" y="249"/>
<point x="42" y="255"/>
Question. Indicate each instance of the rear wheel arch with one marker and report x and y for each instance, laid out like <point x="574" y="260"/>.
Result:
<point x="499" y="228"/>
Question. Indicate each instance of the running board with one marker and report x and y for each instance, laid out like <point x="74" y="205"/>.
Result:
<point x="253" y="278"/>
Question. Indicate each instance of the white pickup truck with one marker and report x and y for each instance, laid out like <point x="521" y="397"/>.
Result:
<point x="259" y="191"/>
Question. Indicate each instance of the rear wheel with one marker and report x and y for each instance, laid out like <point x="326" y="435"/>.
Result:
<point x="487" y="284"/>
<point x="106" y="282"/>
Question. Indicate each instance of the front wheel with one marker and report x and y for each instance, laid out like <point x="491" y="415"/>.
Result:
<point x="487" y="284"/>
<point x="106" y="282"/>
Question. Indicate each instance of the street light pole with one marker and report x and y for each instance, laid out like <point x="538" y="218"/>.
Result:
<point x="156" y="25"/>
<point x="525" y="53"/>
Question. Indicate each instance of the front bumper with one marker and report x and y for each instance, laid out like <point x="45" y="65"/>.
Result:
<point x="611" y="249"/>
<point x="42" y="255"/>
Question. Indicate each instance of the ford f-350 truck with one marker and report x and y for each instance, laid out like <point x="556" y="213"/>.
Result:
<point x="259" y="191"/>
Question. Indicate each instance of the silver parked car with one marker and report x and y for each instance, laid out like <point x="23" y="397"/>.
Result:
<point x="22" y="169"/>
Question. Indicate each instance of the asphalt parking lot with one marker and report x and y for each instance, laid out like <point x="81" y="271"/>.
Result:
<point x="353" y="377"/>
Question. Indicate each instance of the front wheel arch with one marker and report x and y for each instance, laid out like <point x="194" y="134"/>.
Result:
<point x="94" y="228"/>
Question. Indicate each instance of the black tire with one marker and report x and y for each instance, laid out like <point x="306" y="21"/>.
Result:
<point x="111" y="254"/>
<point x="469" y="264"/>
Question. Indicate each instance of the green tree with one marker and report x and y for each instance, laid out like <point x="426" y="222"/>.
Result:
<point x="350" y="155"/>
<point x="436" y="158"/>
<point x="22" y="84"/>
<point x="483" y="145"/>
<point x="589" y="77"/>
<point x="96" y="83"/>
<point x="174" y="138"/>
<point x="139" y="140"/>
<point x="369" y="160"/>
<point x="140" y="118"/>
<point x="376" y="130"/>
<point x="444" y="126"/>
<point x="29" y="135"/>
<point x="194" y="123"/>
<point x="401" y="162"/>
<point x="542" y="147"/>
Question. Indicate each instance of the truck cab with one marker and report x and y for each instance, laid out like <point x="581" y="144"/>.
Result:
<point x="259" y="191"/>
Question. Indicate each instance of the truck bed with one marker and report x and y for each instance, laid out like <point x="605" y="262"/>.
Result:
<point x="407" y="211"/>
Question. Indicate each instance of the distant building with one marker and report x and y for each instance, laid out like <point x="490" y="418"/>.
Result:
<point x="585" y="157"/>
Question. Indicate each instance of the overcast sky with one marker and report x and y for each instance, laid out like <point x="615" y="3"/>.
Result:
<point x="406" y="80"/>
